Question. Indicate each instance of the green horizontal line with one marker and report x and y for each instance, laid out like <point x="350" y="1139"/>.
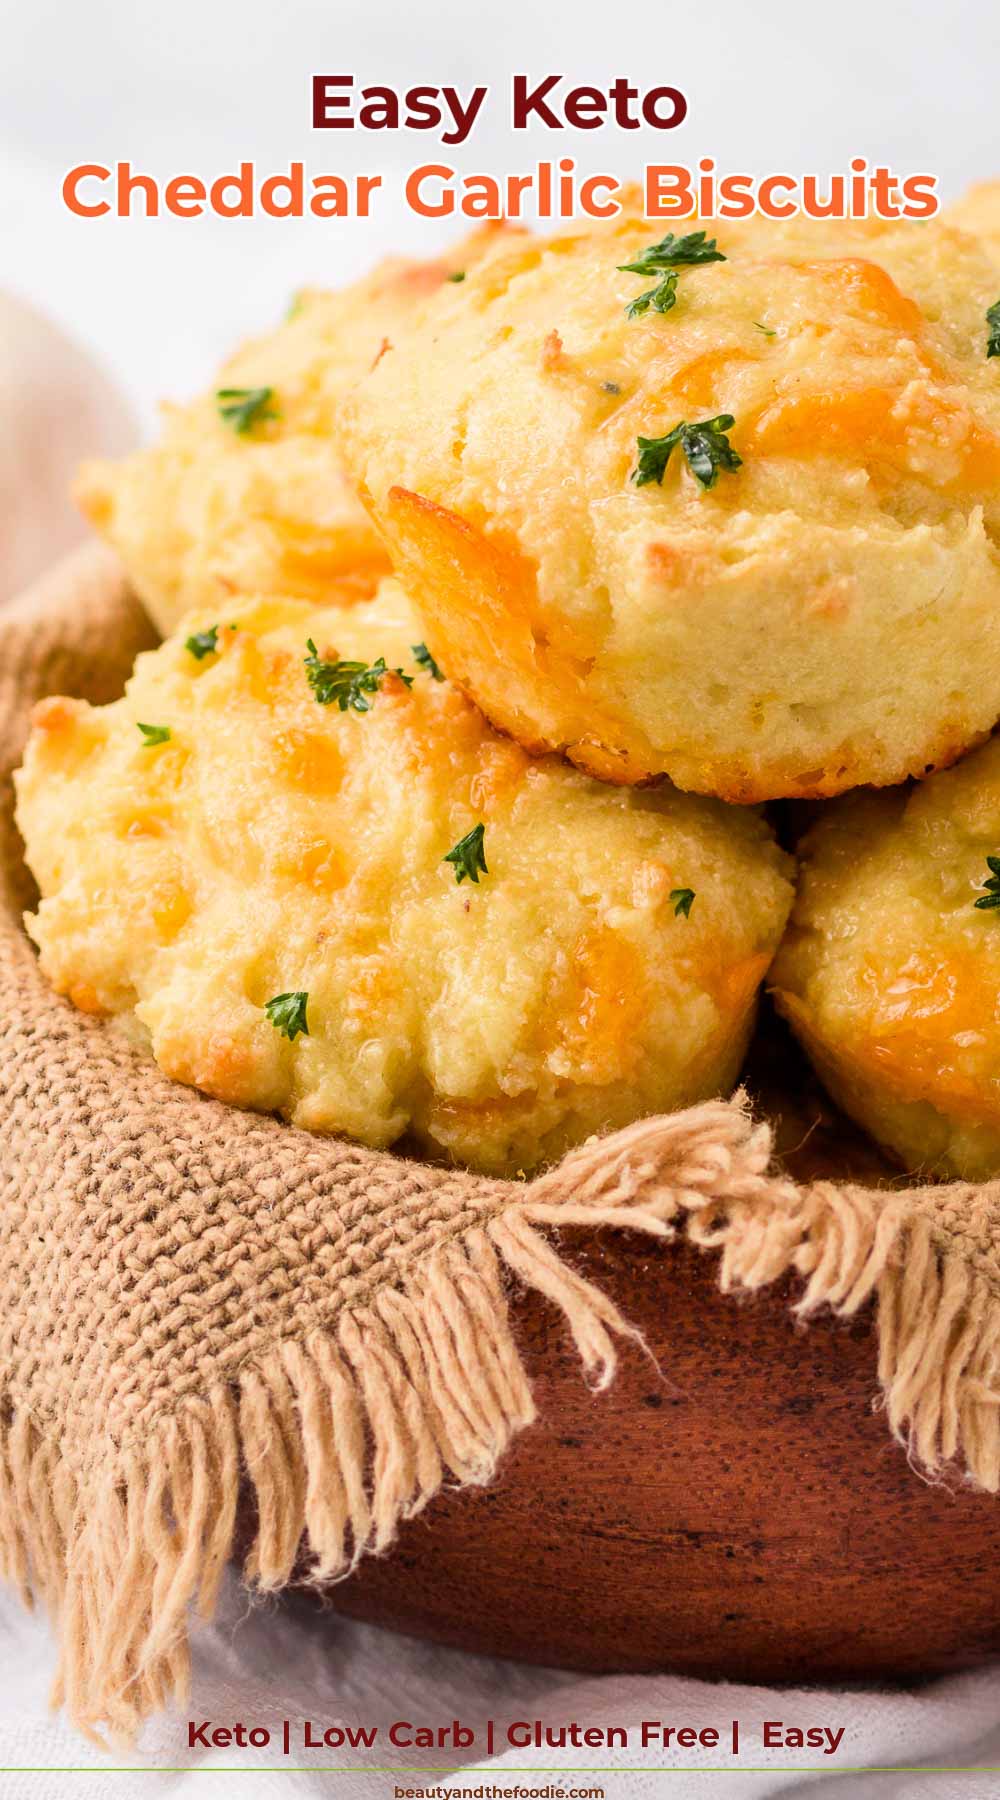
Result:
<point x="497" y="1773"/>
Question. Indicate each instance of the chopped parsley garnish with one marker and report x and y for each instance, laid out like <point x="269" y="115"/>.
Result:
<point x="287" y="1013"/>
<point x="706" y="449"/>
<point x="204" y="643"/>
<point x="423" y="658"/>
<point x="665" y="259"/>
<point x="468" y="857"/>
<point x="993" y="321"/>
<point x="989" y="901"/>
<point x="243" y="408"/>
<point x="759" y="327"/>
<point x="661" y="298"/>
<point x="674" y="252"/>
<point x="457" y="275"/>
<point x="154" y="734"/>
<point x="347" y="684"/>
<point x="682" y="900"/>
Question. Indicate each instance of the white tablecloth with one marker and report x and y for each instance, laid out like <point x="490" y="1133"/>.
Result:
<point x="190" y="86"/>
<point x="266" y="1662"/>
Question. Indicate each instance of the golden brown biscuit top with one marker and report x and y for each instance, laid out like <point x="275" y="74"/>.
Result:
<point x="978" y="212"/>
<point x="888" y="946"/>
<point x="244" y="492"/>
<point x="226" y="834"/>
<point x="688" y="625"/>
<point x="852" y="358"/>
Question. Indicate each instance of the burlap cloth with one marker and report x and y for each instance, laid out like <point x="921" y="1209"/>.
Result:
<point x="192" y="1297"/>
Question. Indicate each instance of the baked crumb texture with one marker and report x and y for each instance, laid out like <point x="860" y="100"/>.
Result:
<point x="825" y="616"/>
<point x="273" y="845"/>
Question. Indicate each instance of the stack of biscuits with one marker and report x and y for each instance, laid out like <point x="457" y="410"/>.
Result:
<point x="503" y="597"/>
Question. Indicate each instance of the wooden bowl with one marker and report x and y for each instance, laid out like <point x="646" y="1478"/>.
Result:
<point x="743" y="1513"/>
<point x="732" y="1506"/>
<point x="746" y="1515"/>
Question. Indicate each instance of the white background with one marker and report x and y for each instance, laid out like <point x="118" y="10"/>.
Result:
<point x="199" y="85"/>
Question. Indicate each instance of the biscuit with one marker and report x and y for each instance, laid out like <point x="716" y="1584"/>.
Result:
<point x="274" y="861"/>
<point x="212" y="510"/>
<point x="890" y="970"/>
<point x="826" y="613"/>
<point x="978" y="212"/>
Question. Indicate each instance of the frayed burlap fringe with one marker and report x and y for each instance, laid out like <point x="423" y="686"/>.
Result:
<point x="192" y="1299"/>
<point x="345" y="1432"/>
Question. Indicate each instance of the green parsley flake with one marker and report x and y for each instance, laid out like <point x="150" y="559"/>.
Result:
<point x="665" y="259"/>
<point x="287" y="1013"/>
<point x="243" y="408"/>
<point x="993" y="321"/>
<point x="682" y="900"/>
<point x="347" y="684"/>
<point x="674" y="252"/>
<point x="763" y="328"/>
<point x="660" y="298"/>
<point x="154" y="734"/>
<point x="204" y="643"/>
<point x="989" y="901"/>
<point x="468" y="857"/>
<point x="705" y="445"/>
<point x="423" y="658"/>
<point x="457" y="275"/>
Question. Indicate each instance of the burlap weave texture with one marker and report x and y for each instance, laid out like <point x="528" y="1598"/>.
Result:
<point x="193" y="1297"/>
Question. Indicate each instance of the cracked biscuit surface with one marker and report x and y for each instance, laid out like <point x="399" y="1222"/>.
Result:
<point x="826" y="614"/>
<point x="978" y="212"/>
<point x="210" y="512"/>
<point x="890" y="971"/>
<point x="272" y="846"/>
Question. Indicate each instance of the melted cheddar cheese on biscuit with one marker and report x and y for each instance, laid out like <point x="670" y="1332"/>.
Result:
<point x="257" y="502"/>
<point x="890" y="972"/>
<point x="808" y="602"/>
<point x="273" y="893"/>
